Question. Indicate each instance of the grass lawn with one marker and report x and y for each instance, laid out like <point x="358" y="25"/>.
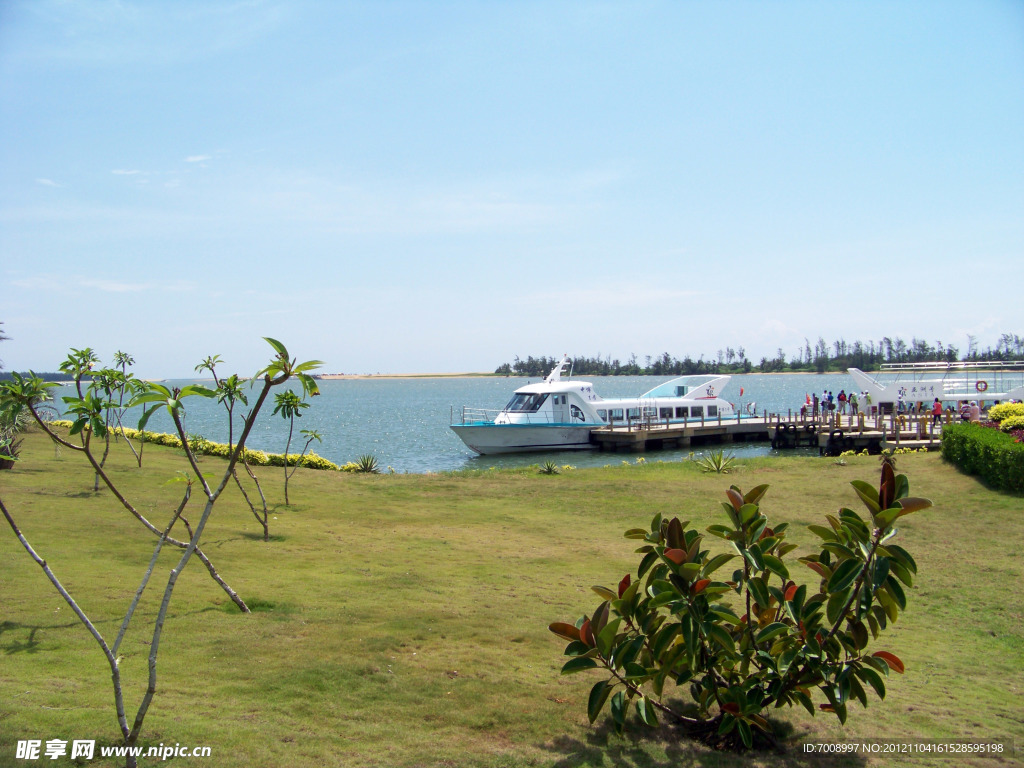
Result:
<point x="402" y="619"/>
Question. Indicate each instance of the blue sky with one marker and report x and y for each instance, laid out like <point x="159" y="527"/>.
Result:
<point x="413" y="186"/>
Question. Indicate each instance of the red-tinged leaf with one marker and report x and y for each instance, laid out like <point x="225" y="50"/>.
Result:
<point x="913" y="504"/>
<point x="568" y="631"/>
<point x="826" y="708"/>
<point x="731" y="707"/>
<point x="887" y="488"/>
<point x="892" y="660"/>
<point x="735" y="498"/>
<point x="766" y="533"/>
<point x="819" y="569"/>
<point x="790" y="592"/>
<point x="587" y="634"/>
<point x="623" y="585"/>
<point x="699" y="586"/>
<point x="677" y="556"/>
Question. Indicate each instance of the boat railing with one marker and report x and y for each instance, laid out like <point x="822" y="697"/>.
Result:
<point x="470" y="416"/>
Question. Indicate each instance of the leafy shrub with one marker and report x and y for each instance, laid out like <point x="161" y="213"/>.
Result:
<point x="978" y="450"/>
<point x="313" y="461"/>
<point x="1011" y="423"/>
<point x="716" y="461"/>
<point x="757" y="640"/>
<point x="1005" y="410"/>
<point x="548" y="468"/>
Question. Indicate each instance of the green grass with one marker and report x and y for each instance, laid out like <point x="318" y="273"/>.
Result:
<point x="402" y="620"/>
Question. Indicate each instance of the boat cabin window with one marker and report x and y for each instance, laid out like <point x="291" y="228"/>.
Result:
<point x="697" y="411"/>
<point x="665" y="413"/>
<point x="650" y="410"/>
<point x="560" y="399"/>
<point x="712" y="410"/>
<point x="681" y="390"/>
<point x="617" y="413"/>
<point x="523" y="403"/>
<point x="633" y="413"/>
<point x="682" y="412"/>
<point x="602" y="414"/>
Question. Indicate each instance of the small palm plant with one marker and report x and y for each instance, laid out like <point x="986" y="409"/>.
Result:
<point x="367" y="463"/>
<point x="718" y="462"/>
<point x="549" y="468"/>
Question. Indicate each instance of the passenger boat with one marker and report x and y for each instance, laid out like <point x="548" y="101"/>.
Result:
<point x="910" y="383"/>
<point x="559" y="414"/>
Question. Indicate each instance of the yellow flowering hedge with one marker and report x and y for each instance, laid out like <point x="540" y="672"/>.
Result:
<point x="201" y="445"/>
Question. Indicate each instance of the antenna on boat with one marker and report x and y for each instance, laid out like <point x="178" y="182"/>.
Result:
<point x="571" y="364"/>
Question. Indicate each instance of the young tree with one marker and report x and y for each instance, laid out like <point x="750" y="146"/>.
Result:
<point x="757" y="640"/>
<point x="88" y="421"/>
<point x="290" y="406"/>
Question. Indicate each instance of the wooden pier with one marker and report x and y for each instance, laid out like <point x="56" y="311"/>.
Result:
<point x="831" y="434"/>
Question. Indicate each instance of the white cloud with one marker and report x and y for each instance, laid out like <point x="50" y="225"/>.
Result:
<point x="122" y="172"/>
<point x="111" y="286"/>
<point x="198" y="158"/>
<point x="48" y="183"/>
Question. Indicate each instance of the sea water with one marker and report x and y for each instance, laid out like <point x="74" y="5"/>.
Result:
<point x="403" y="422"/>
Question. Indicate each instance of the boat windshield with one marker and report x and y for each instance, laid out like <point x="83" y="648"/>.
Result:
<point x="523" y="403"/>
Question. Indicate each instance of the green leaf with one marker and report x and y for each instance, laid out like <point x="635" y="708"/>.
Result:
<point x="896" y="591"/>
<point x="578" y="664"/>
<point x="754" y="556"/>
<point x="645" y="709"/>
<point x="744" y="729"/>
<point x="747" y="512"/>
<point x="835" y="605"/>
<point x="197" y="389"/>
<point x="598" y="696"/>
<point x="775" y="565"/>
<point x="867" y="494"/>
<point x="902" y="487"/>
<point x="844" y="575"/>
<point x="903" y="556"/>
<point x="277" y="345"/>
<point x="716" y="562"/>
<point x="760" y="592"/>
<point x="753" y="496"/>
<point x="887" y="517"/>
<point x="772" y="631"/>
<point x="826" y="533"/>
<point x="872" y="678"/>
<point x="619" y="709"/>
<point x="605" y="593"/>
<point x="723" y="638"/>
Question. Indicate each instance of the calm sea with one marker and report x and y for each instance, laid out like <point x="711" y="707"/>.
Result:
<point x="404" y="422"/>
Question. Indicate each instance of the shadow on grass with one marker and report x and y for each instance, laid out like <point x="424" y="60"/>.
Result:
<point x="31" y="645"/>
<point x="668" y="747"/>
<point x="253" y="536"/>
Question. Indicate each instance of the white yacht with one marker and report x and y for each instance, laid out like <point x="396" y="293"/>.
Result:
<point x="909" y="383"/>
<point x="558" y="414"/>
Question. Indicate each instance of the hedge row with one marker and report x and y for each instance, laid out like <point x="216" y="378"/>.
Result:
<point x="997" y="457"/>
<point x="204" y="447"/>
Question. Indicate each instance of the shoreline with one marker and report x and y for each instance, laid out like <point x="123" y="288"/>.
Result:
<point x="353" y="376"/>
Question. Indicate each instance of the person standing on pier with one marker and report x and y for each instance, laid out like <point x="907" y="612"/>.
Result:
<point x="936" y="412"/>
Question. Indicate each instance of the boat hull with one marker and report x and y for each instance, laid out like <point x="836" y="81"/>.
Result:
<point x="523" y="438"/>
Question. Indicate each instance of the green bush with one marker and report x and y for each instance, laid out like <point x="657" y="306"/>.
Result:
<point x="200" y="445"/>
<point x="743" y="645"/>
<point x="1005" y="411"/>
<point x="1011" y="423"/>
<point x="979" y="450"/>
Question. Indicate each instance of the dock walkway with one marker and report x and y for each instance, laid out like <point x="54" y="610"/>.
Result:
<point x="832" y="434"/>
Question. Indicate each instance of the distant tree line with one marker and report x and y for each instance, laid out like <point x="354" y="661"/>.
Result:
<point x="819" y="358"/>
